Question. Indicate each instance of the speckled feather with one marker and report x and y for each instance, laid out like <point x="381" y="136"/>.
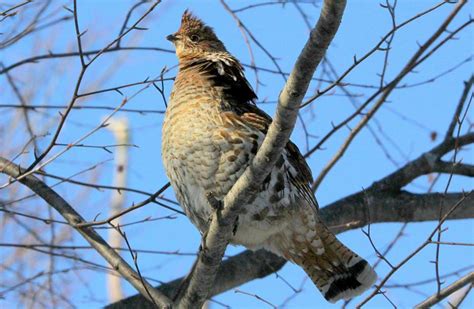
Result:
<point x="212" y="130"/>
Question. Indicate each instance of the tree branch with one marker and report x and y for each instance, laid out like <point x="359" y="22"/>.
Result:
<point x="386" y="91"/>
<point x="352" y="212"/>
<point x="436" y="298"/>
<point x="89" y="234"/>
<point x="454" y="168"/>
<point x="428" y="162"/>
<point x="343" y="215"/>
<point x="462" y="101"/>
<point x="233" y="272"/>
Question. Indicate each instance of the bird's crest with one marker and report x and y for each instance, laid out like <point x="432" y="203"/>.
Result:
<point x="191" y="23"/>
<point x="194" y="37"/>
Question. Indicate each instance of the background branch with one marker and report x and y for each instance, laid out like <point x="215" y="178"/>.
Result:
<point x="91" y="236"/>
<point x="455" y="286"/>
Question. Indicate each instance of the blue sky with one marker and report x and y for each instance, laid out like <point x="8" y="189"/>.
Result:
<point x="282" y="31"/>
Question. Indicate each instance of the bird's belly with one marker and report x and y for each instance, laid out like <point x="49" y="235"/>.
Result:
<point x="256" y="224"/>
<point x="191" y="168"/>
<point x="202" y="156"/>
<point x="257" y="221"/>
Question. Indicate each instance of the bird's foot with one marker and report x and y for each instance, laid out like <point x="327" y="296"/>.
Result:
<point x="202" y="245"/>
<point x="236" y="225"/>
<point x="213" y="201"/>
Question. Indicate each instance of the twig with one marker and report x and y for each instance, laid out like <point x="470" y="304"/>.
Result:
<point x="65" y="114"/>
<point x="98" y="107"/>
<point x="7" y="13"/>
<point x="437" y="297"/>
<point x="32" y="169"/>
<point x="246" y="40"/>
<point x="52" y="55"/>
<point x="257" y="297"/>
<point x="127" y="210"/>
<point x="412" y="63"/>
<point x="244" y="29"/>
<point x="415" y="252"/>
<point x="73" y="218"/>
<point x="456" y="273"/>
<point x="457" y="114"/>
<point x="134" y="255"/>
<point x="357" y="61"/>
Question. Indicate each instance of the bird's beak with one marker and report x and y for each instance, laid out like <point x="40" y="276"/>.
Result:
<point x="172" y="38"/>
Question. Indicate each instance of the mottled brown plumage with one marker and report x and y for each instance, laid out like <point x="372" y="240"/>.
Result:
<point x="212" y="130"/>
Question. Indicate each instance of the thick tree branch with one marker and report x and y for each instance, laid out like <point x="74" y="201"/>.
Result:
<point x="456" y="168"/>
<point x="90" y="235"/>
<point x="222" y="222"/>
<point x="428" y="162"/>
<point x="233" y="272"/>
<point x="343" y="215"/>
<point x="355" y="210"/>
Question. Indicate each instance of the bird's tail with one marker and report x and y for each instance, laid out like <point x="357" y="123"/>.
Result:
<point x="336" y="270"/>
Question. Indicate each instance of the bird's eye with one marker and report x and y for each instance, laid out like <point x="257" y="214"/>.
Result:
<point x="195" y="38"/>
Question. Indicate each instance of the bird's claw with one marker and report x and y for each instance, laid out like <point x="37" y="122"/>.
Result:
<point x="213" y="202"/>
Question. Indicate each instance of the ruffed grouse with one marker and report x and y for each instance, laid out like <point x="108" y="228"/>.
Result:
<point x="212" y="129"/>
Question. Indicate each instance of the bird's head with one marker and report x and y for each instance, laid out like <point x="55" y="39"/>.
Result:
<point x="194" y="38"/>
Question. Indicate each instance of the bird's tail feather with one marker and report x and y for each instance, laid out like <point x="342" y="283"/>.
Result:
<point x="337" y="271"/>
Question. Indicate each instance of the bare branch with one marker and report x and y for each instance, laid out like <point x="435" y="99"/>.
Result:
<point x="78" y="35"/>
<point x="343" y="215"/>
<point x="351" y="212"/>
<point x="126" y="210"/>
<point x="95" y="107"/>
<point x="427" y="163"/>
<point x="437" y="297"/>
<point x="377" y="290"/>
<point x="36" y="59"/>
<point x="8" y="12"/>
<point x="73" y="218"/>
<point x="75" y="95"/>
<point x="377" y="47"/>
<point x="232" y="273"/>
<point x="456" y="168"/>
<point x="457" y="114"/>
<point x="387" y="90"/>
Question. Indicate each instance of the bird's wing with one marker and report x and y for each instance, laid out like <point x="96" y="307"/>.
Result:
<point x="261" y="121"/>
<point x="238" y="106"/>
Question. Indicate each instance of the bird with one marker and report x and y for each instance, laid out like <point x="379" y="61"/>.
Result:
<point x="211" y="131"/>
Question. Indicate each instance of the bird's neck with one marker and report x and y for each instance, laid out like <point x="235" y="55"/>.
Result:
<point x="222" y="71"/>
<point x="199" y="59"/>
